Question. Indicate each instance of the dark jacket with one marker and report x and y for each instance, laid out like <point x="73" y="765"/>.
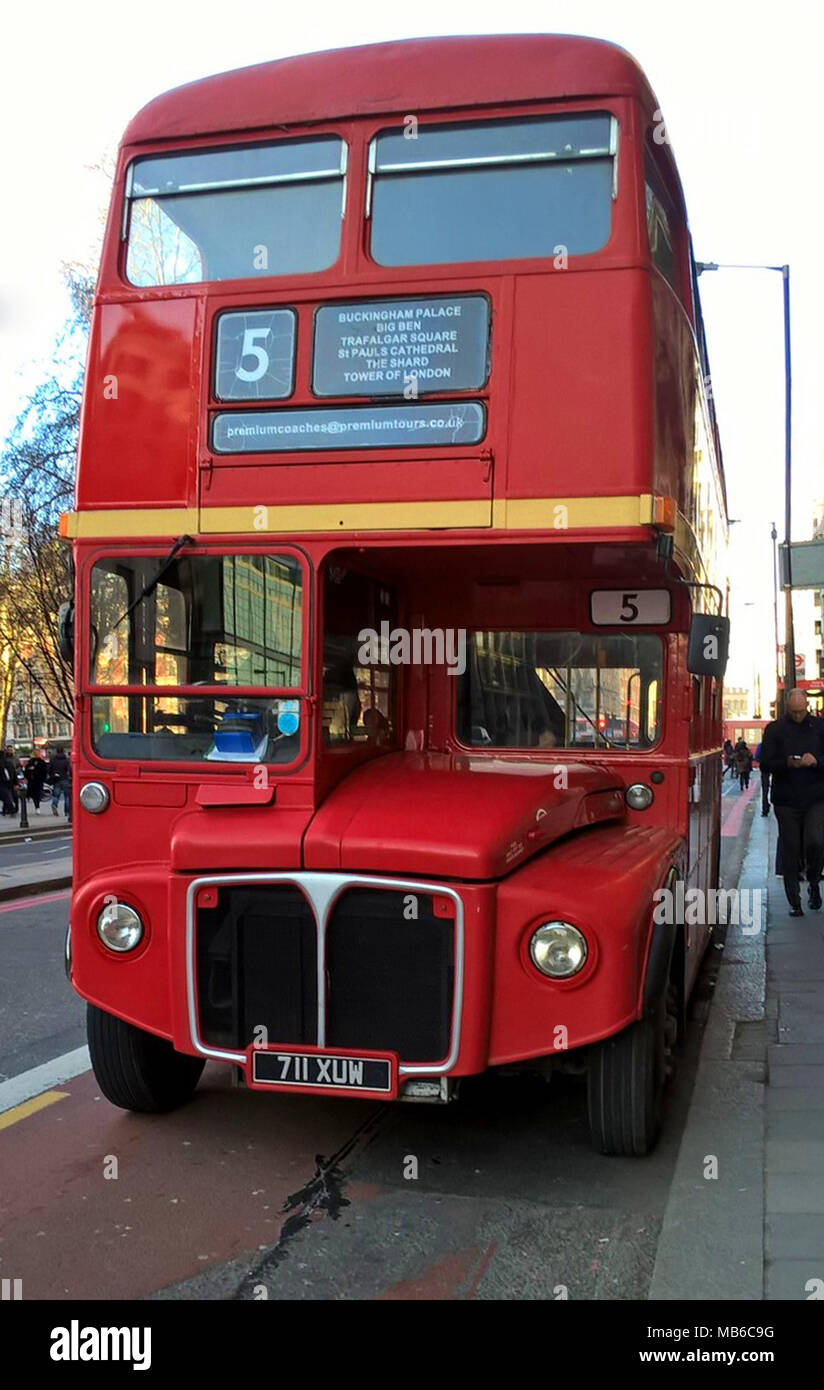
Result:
<point x="800" y="787"/>
<point x="59" y="767"/>
<point x="36" y="774"/>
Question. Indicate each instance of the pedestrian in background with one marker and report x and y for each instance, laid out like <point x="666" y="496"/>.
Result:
<point x="17" y="775"/>
<point x="729" y="755"/>
<point x="61" y="782"/>
<point x="35" y="780"/>
<point x="8" y="779"/>
<point x="793" y="754"/>
<point x="743" y="763"/>
<point x="765" y="782"/>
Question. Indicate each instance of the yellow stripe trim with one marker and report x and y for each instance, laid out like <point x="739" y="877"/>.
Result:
<point x="30" y="1107"/>
<point x="508" y="514"/>
<point x="127" y="521"/>
<point x="349" y="516"/>
<point x="571" y="513"/>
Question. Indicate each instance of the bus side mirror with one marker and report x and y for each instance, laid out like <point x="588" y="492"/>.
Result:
<point x="65" y="632"/>
<point x="708" y="646"/>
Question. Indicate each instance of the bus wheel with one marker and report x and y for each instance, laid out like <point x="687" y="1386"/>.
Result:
<point x="625" y="1086"/>
<point x="137" y="1070"/>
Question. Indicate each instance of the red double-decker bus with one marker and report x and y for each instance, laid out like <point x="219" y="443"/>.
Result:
<point x="397" y="536"/>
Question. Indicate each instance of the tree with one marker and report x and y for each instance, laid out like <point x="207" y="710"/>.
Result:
<point x="37" y="476"/>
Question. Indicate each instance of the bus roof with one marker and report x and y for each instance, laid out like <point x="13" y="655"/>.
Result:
<point x="404" y="77"/>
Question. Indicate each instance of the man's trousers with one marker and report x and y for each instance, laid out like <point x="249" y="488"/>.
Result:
<point x="802" y="841"/>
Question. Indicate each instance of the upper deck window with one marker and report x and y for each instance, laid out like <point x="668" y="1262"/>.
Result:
<point x="660" y="224"/>
<point x="252" y="211"/>
<point x="492" y="190"/>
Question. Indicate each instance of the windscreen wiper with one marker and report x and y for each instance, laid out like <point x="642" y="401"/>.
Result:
<point x="150" y="586"/>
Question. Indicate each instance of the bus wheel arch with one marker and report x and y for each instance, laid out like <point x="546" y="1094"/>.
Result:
<point x="628" y="1072"/>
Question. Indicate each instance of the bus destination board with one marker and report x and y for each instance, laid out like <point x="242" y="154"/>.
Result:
<point x="401" y="347"/>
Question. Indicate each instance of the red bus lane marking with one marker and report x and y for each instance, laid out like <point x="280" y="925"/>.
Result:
<point x="193" y="1189"/>
<point x="731" y="819"/>
<point x="453" y="1277"/>
<point x="17" y="904"/>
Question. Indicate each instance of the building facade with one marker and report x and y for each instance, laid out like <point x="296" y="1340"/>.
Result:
<point x="31" y="722"/>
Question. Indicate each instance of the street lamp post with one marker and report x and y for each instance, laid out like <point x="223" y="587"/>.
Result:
<point x="774" y="539"/>
<point x="789" y="645"/>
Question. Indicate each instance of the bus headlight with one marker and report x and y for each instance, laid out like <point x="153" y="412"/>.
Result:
<point x="558" y="950"/>
<point x="94" y="797"/>
<point x="119" y="927"/>
<point x="639" y="796"/>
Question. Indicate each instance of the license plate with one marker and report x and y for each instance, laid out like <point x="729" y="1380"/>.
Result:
<point x="333" y="1072"/>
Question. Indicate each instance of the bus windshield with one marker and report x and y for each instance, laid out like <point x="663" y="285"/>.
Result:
<point x="561" y="690"/>
<point x="208" y="620"/>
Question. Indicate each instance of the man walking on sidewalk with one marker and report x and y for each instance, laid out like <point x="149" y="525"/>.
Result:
<point x="60" y="775"/>
<point x="793" y="754"/>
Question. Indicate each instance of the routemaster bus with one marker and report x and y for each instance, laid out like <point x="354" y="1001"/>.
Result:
<point x="398" y="542"/>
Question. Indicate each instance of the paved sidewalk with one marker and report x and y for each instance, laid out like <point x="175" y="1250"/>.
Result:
<point x="40" y="878"/>
<point x="794" y="1198"/>
<point x="745" y="1217"/>
<point x="43" y="826"/>
<point x="30" y="862"/>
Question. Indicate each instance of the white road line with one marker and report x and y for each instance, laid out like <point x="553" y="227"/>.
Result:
<point x="33" y="1083"/>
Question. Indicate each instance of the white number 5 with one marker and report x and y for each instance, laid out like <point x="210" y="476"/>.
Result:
<point x="253" y="349"/>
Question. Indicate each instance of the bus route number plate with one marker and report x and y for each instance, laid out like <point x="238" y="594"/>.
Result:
<point x="630" y="607"/>
<point x="337" y="1071"/>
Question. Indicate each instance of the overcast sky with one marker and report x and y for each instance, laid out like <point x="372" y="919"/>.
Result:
<point x="739" y="85"/>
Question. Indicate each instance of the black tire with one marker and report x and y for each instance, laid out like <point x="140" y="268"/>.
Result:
<point x="625" y="1087"/>
<point x="137" y="1070"/>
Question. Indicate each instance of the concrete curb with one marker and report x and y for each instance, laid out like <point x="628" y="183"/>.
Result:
<point x="712" y="1235"/>
<point x="31" y="890"/>
<point x="19" y="837"/>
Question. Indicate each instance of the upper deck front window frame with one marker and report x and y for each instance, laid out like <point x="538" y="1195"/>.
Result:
<point x="180" y="189"/>
<point x="482" y="124"/>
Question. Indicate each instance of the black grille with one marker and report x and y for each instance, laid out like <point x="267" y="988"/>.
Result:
<point x="390" y="974"/>
<point x="257" y="965"/>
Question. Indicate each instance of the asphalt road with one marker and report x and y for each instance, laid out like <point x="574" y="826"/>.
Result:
<point x="40" y="1016"/>
<point x="37" y="850"/>
<point x="243" y="1195"/>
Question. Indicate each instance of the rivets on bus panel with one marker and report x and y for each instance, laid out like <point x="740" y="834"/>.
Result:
<point x="656" y="776"/>
<point x="94" y="797"/>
